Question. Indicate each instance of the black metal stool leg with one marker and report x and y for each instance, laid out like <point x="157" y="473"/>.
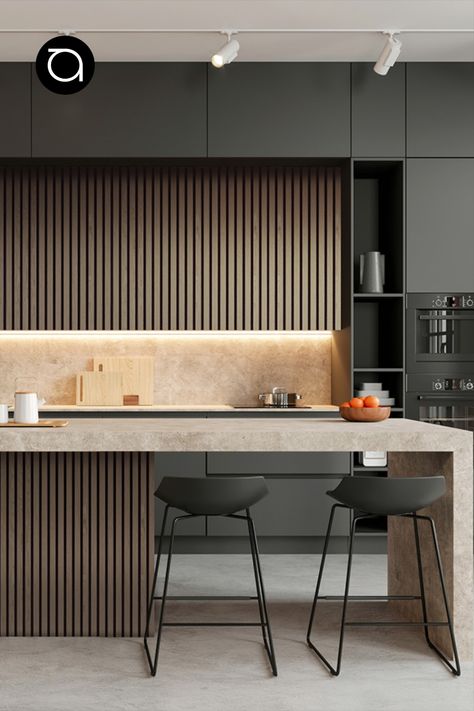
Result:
<point x="421" y="579"/>
<point x="456" y="668"/>
<point x="154" y="664"/>
<point x="262" y="604"/>
<point x="334" y="670"/>
<point x="153" y="587"/>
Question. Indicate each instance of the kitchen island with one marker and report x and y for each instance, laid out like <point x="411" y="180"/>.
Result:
<point x="77" y="521"/>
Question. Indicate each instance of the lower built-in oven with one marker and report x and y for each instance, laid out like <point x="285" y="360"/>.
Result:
<point x="440" y="400"/>
<point x="440" y="333"/>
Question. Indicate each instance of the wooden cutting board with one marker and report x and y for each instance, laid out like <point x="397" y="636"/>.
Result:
<point x="40" y="423"/>
<point x="99" y="388"/>
<point x="138" y="377"/>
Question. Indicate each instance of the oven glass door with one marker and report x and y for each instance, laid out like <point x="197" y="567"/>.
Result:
<point x="448" y="411"/>
<point x="444" y="335"/>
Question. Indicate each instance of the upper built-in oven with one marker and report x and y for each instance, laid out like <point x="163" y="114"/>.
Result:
<point x="440" y="332"/>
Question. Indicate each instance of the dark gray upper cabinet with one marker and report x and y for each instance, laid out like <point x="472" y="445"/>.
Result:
<point x="440" y="225"/>
<point x="378" y="111"/>
<point x="128" y="110"/>
<point x="440" y="109"/>
<point x="15" y="114"/>
<point x="279" y="109"/>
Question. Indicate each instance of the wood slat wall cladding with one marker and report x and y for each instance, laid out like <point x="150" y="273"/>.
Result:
<point x="224" y="248"/>
<point x="76" y="543"/>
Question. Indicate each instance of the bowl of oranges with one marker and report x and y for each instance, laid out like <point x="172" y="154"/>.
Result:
<point x="365" y="409"/>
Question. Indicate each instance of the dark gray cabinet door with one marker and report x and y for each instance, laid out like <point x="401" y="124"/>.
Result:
<point x="440" y="109"/>
<point x="293" y="507"/>
<point x="278" y="463"/>
<point x="15" y="113"/>
<point x="279" y="109"/>
<point x="179" y="464"/>
<point x="128" y="110"/>
<point x="440" y="225"/>
<point x="378" y="111"/>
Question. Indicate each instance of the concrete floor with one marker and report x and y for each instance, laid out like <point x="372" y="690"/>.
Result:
<point x="226" y="669"/>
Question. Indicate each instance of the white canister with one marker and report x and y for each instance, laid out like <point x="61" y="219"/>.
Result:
<point x="3" y="414"/>
<point x="26" y="408"/>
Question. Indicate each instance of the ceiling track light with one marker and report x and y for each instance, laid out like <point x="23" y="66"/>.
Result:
<point x="228" y="52"/>
<point x="389" y="54"/>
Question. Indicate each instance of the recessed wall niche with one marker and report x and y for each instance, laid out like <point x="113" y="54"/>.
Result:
<point x="170" y="248"/>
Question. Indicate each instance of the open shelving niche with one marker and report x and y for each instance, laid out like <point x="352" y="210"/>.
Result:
<point x="378" y="320"/>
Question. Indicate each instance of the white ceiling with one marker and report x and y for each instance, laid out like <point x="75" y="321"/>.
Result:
<point x="214" y="15"/>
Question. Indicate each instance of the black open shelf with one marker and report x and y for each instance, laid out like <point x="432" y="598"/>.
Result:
<point x="378" y="333"/>
<point x="378" y="320"/>
<point x="378" y="218"/>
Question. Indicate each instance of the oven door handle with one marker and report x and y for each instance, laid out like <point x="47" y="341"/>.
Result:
<point x="447" y="317"/>
<point x="457" y="398"/>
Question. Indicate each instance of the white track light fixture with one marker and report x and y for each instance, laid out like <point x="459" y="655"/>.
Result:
<point x="227" y="53"/>
<point x="389" y="54"/>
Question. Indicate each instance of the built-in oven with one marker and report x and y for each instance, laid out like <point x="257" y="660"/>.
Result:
<point x="440" y="333"/>
<point x="441" y="400"/>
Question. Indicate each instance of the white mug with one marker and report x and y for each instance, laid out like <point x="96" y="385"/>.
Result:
<point x="26" y="408"/>
<point x="3" y="414"/>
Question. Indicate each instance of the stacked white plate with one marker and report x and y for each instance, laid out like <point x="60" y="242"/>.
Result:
<point x="375" y="389"/>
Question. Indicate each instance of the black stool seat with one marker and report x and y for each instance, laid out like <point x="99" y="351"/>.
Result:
<point x="387" y="496"/>
<point x="213" y="496"/>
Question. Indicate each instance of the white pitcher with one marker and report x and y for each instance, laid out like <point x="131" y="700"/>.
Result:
<point x="26" y="407"/>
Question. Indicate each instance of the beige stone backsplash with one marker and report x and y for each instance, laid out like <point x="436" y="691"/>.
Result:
<point x="189" y="369"/>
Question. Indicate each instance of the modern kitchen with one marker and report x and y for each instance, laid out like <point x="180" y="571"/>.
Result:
<point x="236" y="355"/>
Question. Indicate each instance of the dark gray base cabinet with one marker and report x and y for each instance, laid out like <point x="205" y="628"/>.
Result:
<point x="279" y="109"/>
<point x="440" y="225"/>
<point x="135" y="109"/>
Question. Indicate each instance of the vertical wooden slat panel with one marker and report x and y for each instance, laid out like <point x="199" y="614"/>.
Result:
<point x="76" y="543"/>
<point x="231" y="251"/>
<point x="322" y="323"/>
<point x="338" y="252"/>
<point x="114" y="247"/>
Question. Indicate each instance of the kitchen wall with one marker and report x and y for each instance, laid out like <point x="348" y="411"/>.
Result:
<point x="190" y="369"/>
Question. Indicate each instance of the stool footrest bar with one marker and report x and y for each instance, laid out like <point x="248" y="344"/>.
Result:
<point x="381" y="623"/>
<point x="370" y="597"/>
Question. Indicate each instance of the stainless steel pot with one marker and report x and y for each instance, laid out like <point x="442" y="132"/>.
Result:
<point x="279" y="397"/>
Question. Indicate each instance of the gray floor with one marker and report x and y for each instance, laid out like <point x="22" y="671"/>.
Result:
<point x="226" y="670"/>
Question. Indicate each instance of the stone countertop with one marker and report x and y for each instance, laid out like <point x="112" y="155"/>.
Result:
<point x="235" y="434"/>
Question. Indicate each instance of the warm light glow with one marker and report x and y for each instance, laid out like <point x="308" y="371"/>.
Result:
<point x="217" y="60"/>
<point x="166" y="334"/>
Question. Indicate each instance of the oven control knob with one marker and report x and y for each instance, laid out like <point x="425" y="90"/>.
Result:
<point x="438" y="302"/>
<point x="438" y="385"/>
<point x="469" y="302"/>
<point x="469" y="385"/>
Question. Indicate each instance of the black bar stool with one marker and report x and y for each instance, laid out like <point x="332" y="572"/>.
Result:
<point x="368" y="497"/>
<point x="210" y="497"/>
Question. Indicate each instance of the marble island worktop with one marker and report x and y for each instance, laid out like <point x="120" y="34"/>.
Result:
<point x="237" y="434"/>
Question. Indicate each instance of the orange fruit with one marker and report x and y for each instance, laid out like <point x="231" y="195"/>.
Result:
<point x="371" y="401"/>
<point x="345" y="404"/>
<point x="356" y="402"/>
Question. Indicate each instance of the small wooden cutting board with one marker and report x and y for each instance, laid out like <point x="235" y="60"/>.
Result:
<point x="40" y="423"/>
